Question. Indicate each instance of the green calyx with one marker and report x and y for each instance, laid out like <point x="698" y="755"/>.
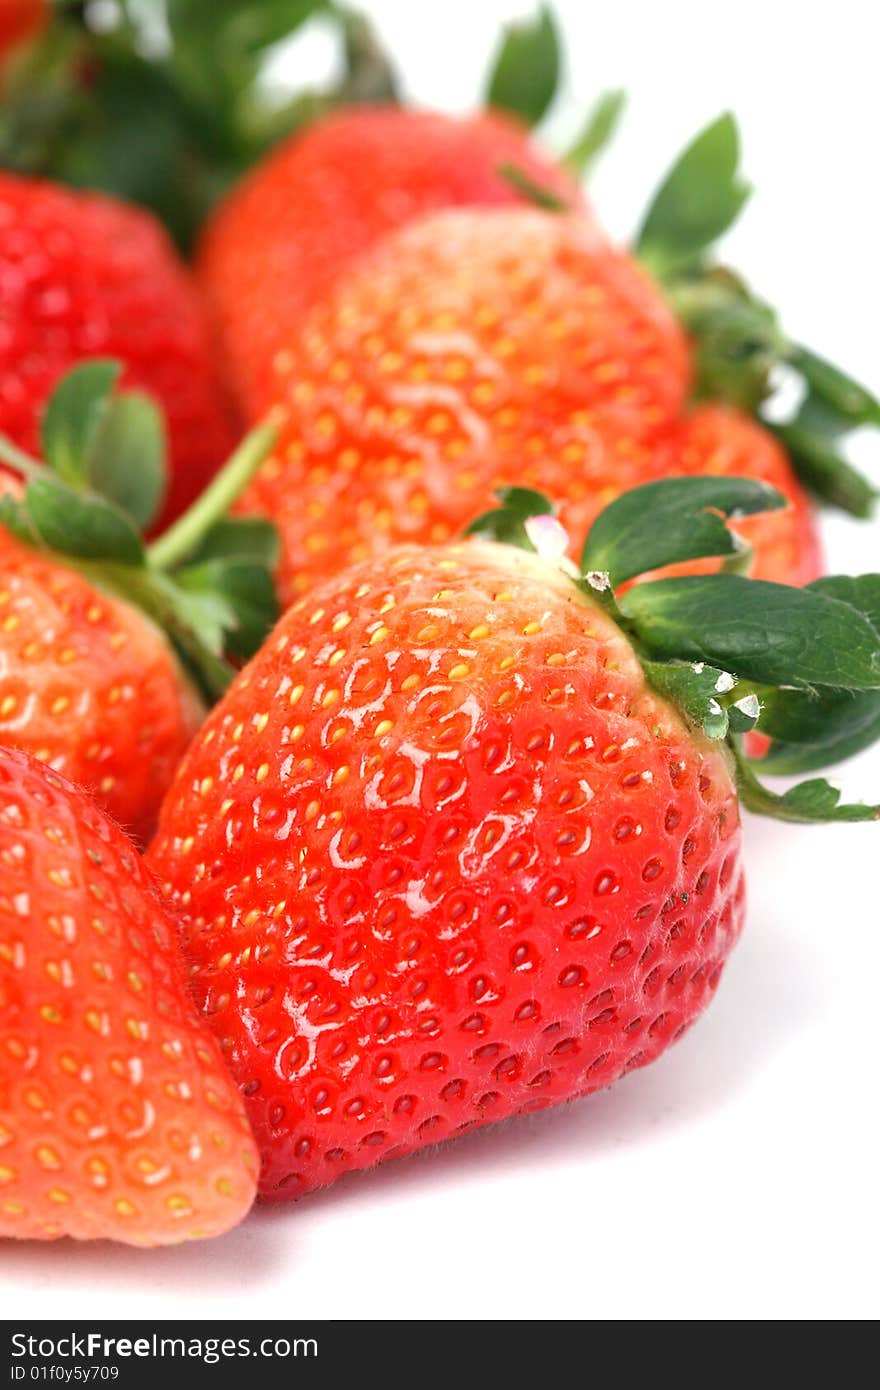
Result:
<point x="167" y="105"/>
<point x="734" y="654"/>
<point x="525" y="72"/>
<point x="207" y="582"/>
<point x="741" y="349"/>
<point x="524" y="80"/>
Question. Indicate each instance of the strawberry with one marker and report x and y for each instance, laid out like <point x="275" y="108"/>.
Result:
<point x="107" y="649"/>
<point x="84" y="275"/>
<point x="476" y="349"/>
<point x="117" y="1118"/>
<point x="97" y="102"/>
<point x="485" y="346"/>
<point x="90" y="686"/>
<point x="463" y="840"/>
<point x="288" y="231"/>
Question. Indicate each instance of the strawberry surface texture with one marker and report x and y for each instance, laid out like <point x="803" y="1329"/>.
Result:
<point x="479" y="349"/>
<point x="117" y="1117"/>
<point x="441" y="856"/>
<point x="83" y="275"/>
<point x="90" y="686"/>
<point x="289" y="230"/>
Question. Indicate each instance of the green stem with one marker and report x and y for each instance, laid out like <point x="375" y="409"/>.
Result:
<point x="755" y="797"/>
<point x="18" y="460"/>
<point x="181" y="539"/>
<point x="535" y="192"/>
<point x="154" y="595"/>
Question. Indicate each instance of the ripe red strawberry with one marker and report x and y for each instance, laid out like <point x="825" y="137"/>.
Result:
<point x="479" y="349"/>
<point x="117" y="1118"/>
<point x="443" y="853"/>
<point x="91" y="686"/>
<point x="107" y="649"/>
<point x="491" y="346"/>
<point x="283" y="237"/>
<point x="83" y="275"/>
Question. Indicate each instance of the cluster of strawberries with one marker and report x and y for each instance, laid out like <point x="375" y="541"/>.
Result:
<point x="459" y="838"/>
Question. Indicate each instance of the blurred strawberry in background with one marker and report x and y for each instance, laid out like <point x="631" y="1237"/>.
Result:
<point x="289" y="231"/>
<point x="83" y="275"/>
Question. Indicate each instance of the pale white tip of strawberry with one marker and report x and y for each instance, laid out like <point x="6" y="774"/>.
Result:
<point x="724" y="682"/>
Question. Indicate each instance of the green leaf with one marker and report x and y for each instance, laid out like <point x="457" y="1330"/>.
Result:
<point x="737" y="340"/>
<point x="73" y="415"/>
<point x="174" y="109"/>
<point x="818" y="800"/>
<point x="763" y="632"/>
<point x="241" y="538"/>
<point x="241" y="597"/>
<point x="81" y="524"/>
<point x="860" y="591"/>
<point x="369" y="72"/>
<point x="744" y="713"/>
<point x="696" y="689"/>
<point x="812" y="439"/>
<point x="813" y="730"/>
<point x="126" y="461"/>
<point x="738" y="343"/>
<point x="673" y="520"/>
<point x="700" y="198"/>
<point x="531" y="190"/>
<point x="851" y="402"/>
<point x="526" y="70"/>
<point x="14" y="517"/>
<point x="194" y="622"/>
<point x="812" y="802"/>
<point x="812" y="733"/>
<point x="205" y="611"/>
<point x="598" y="132"/>
<point x="242" y="29"/>
<point x="507" y="522"/>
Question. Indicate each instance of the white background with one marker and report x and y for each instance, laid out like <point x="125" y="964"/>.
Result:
<point x="737" y="1177"/>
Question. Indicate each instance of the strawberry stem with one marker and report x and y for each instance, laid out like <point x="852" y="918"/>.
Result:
<point x="536" y="193"/>
<point x="206" y="582"/>
<point x="184" y="536"/>
<point x="21" y="463"/>
<point x="806" y="803"/>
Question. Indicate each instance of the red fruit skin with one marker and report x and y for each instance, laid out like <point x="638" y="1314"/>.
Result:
<point x="117" y="1119"/>
<point x="82" y="275"/>
<point x="282" y="239"/>
<point x="90" y="687"/>
<point x="20" y="20"/>
<point x="474" y="350"/>
<point x="440" y="857"/>
<point x="471" y="350"/>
